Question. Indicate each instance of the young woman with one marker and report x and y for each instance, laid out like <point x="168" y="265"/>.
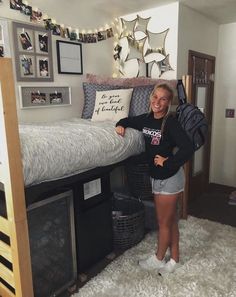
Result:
<point x="163" y="135"/>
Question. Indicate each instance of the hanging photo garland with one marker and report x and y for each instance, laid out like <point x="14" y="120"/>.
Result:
<point x="36" y="16"/>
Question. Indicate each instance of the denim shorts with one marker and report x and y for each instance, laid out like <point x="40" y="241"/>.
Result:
<point x="171" y="185"/>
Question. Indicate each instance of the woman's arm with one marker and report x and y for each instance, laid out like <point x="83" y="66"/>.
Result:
<point x="181" y="141"/>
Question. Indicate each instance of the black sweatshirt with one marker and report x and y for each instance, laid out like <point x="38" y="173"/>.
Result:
<point x="157" y="144"/>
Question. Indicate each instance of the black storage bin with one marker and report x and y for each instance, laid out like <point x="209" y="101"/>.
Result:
<point x="93" y="220"/>
<point x="128" y="221"/>
<point x="52" y="244"/>
<point x="138" y="178"/>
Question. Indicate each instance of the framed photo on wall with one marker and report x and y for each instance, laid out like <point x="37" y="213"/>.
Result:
<point x="69" y="57"/>
<point x="33" y="97"/>
<point x="33" y="53"/>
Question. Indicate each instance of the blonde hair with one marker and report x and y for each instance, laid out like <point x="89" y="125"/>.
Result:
<point x="170" y="90"/>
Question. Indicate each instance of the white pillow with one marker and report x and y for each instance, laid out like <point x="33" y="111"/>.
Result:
<point x="112" y="105"/>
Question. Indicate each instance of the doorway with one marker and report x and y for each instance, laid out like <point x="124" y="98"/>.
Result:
<point x="202" y="68"/>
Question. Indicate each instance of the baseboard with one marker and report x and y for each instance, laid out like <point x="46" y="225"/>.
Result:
<point x="212" y="187"/>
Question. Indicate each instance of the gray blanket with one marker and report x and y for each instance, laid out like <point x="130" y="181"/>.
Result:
<point x="54" y="150"/>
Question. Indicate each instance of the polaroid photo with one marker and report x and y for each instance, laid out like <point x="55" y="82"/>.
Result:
<point x="43" y="67"/>
<point x="27" y="66"/>
<point x="90" y="38"/>
<point x="55" y="98"/>
<point x="110" y="33"/>
<point x="48" y="25"/>
<point x="15" y="4"/>
<point x="41" y="39"/>
<point x="102" y="35"/>
<point x="2" y="51"/>
<point x="38" y="98"/>
<point x="36" y="16"/>
<point x="56" y="30"/>
<point x="25" y="40"/>
<point x="73" y="35"/>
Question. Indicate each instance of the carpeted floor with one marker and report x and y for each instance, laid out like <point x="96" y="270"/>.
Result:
<point x="208" y="266"/>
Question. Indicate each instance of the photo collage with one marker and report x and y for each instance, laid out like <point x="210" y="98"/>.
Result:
<point x="33" y="53"/>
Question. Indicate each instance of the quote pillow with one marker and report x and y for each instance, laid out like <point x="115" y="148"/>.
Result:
<point x="90" y="97"/>
<point x="112" y="105"/>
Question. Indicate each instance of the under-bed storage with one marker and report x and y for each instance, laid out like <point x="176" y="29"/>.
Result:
<point x="52" y="244"/>
<point x="93" y="220"/>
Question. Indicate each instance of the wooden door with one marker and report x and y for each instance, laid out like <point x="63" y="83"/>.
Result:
<point x="202" y="69"/>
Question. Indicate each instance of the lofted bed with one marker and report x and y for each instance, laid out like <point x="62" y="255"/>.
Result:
<point x="20" y="196"/>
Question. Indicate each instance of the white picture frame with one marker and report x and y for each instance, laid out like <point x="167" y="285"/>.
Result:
<point x="41" y="97"/>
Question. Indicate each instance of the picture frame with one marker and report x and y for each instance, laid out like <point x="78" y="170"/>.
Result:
<point x="38" y="97"/>
<point x="69" y="57"/>
<point x="33" y="53"/>
<point x="5" y="51"/>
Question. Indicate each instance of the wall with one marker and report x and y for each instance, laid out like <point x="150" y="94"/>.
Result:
<point x="196" y="32"/>
<point x="223" y="164"/>
<point x="162" y="18"/>
<point x="97" y="58"/>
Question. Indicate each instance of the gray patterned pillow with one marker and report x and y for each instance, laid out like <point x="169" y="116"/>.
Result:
<point x="90" y="97"/>
<point x="140" y="100"/>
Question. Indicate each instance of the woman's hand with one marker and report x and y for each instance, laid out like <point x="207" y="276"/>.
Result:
<point x="120" y="130"/>
<point x="159" y="160"/>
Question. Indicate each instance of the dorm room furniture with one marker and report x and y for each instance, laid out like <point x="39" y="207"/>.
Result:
<point x="16" y="269"/>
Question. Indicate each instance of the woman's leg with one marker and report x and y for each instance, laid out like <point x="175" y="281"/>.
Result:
<point x="168" y="234"/>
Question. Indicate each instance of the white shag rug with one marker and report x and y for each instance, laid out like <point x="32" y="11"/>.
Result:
<point x="208" y="266"/>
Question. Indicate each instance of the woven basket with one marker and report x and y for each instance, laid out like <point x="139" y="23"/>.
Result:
<point x="138" y="180"/>
<point x="128" y="221"/>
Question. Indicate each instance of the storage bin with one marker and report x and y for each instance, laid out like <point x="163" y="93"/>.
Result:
<point x="138" y="180"/>
<point x="128" y="221"/>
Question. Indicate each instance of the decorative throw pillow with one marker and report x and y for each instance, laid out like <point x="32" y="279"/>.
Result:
<point x="140" y="100"/>
<point x="90" y="97"/>
<point x="112" y="105"/>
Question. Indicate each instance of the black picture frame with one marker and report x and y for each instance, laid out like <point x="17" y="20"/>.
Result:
<point x="69" y="57"/>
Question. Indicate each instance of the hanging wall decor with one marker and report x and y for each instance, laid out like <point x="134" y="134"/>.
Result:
<point x="33" y="53"/>
<point x="138" y="47"/>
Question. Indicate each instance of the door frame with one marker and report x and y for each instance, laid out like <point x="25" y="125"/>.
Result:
<point x="209" y="81"/>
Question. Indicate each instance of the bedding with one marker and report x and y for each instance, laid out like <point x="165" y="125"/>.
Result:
<point x="56" y="150"/>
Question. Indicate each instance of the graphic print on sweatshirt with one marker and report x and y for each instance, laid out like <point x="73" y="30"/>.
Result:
<point x="154" y="134"/>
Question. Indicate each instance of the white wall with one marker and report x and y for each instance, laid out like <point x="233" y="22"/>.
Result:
<point x="196" y="32"/>
<point x="97" y="58"/>
<point x="223" y="162"/>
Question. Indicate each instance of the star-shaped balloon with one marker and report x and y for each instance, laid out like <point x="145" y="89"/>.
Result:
<point x="154" y="47"/>
<point x="140" y="30"/>
<point x="127" y="28"/>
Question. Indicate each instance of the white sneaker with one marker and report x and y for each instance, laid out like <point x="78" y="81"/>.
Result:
<point x="152" y="263"/>
<point x="169" y="267"/>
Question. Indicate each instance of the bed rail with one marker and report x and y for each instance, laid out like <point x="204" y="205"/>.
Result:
<point x="15" y="264"/>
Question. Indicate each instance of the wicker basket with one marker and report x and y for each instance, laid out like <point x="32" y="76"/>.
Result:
<point x="128" y="221"/>
<point x="138" y="179"/>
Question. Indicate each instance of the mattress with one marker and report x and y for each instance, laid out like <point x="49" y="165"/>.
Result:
<point x="59" y="149"/>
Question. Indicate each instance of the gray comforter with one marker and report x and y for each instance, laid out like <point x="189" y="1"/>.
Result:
<point x="54" y="150"/>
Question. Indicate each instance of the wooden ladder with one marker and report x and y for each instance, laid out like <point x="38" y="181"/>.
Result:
<point x="15" y="262"/>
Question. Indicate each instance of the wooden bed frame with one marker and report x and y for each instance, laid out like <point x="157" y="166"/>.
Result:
<point x="15" y="251"/>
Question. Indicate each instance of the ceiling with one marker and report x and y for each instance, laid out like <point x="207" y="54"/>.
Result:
<point x="221" y="11"/>
<point x="82" y="11"/>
